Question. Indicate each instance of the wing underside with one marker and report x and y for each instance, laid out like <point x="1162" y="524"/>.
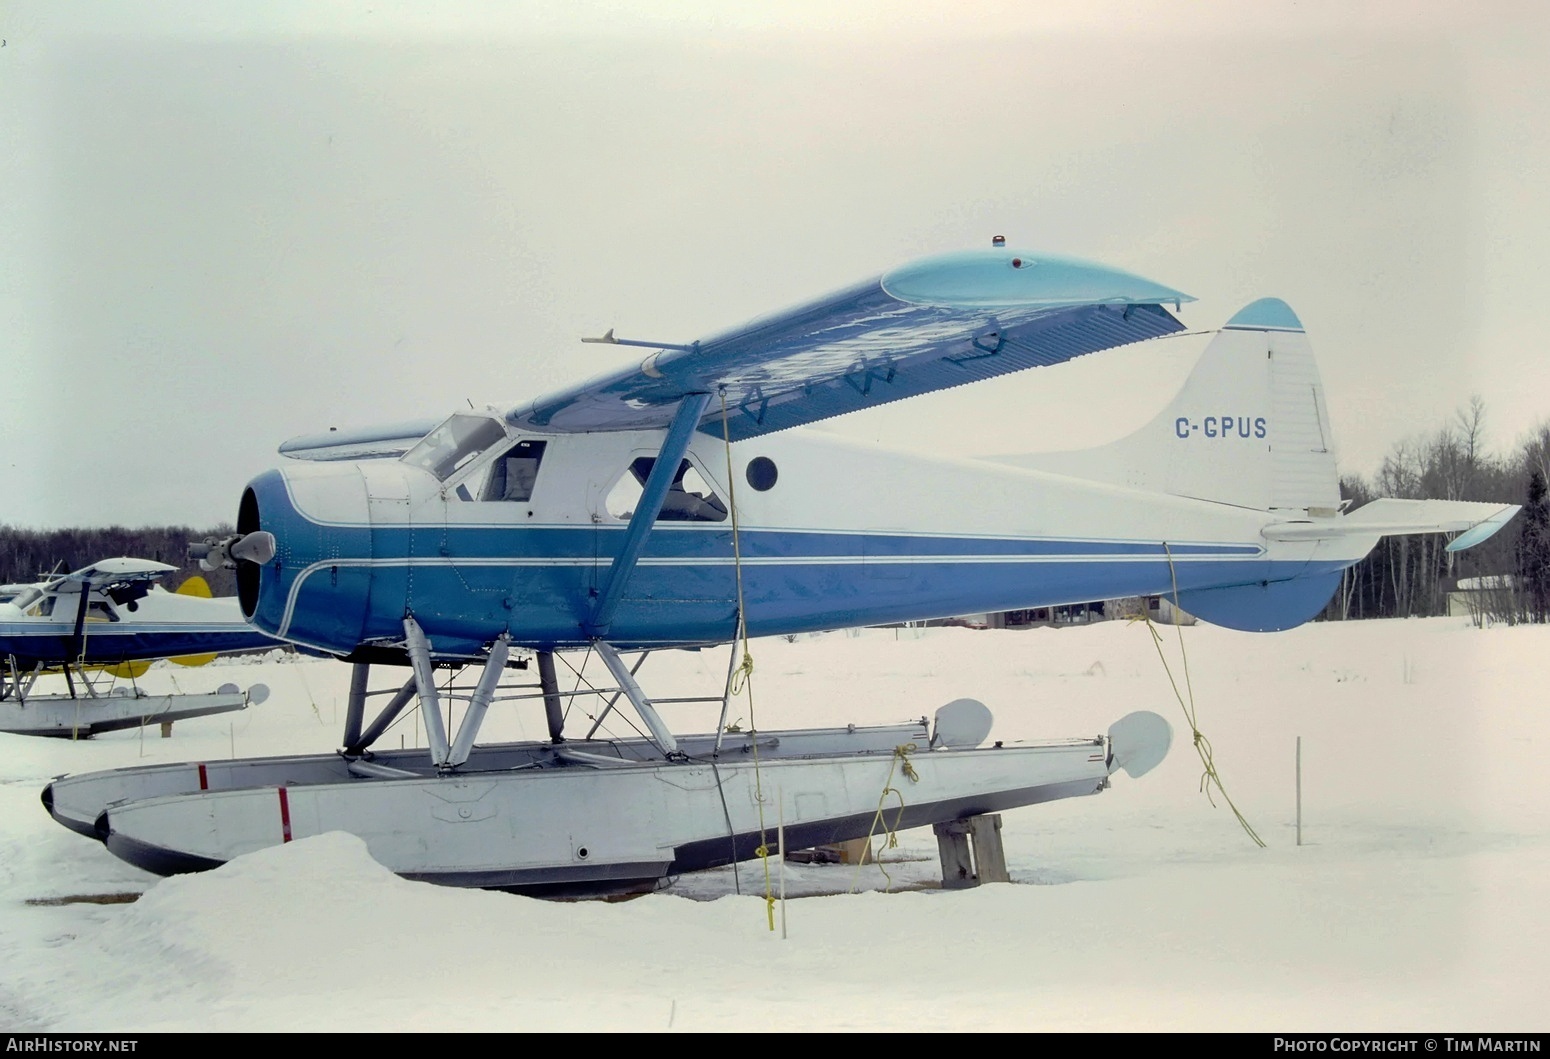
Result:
<point x="932" y="325"/>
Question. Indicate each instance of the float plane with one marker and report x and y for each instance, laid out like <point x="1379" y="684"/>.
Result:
<point x="113" y="619"/>
<point x="676" y="503"/>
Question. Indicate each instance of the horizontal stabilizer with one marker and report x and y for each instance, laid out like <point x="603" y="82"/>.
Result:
<point x="1389" y="517"/>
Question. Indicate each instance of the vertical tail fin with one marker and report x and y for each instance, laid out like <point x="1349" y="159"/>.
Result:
<point x="1249" y="428"/>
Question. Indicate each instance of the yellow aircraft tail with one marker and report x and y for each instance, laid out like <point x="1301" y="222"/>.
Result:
<point x="195" y="586"/>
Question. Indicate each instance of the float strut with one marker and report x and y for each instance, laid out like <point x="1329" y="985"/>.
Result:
<point x="551" y="688"/>
<point x="494" y="666"/>
<point x="425" y="683"/>
<point x="388" y="715"/>
<point x="355" y="712"/>
<point x="602" y="714"/>
<point x="632" y="691"/>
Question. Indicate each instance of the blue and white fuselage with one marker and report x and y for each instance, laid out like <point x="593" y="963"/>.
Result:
<point x="551" y="524"/>
<point x="846" y="536"/>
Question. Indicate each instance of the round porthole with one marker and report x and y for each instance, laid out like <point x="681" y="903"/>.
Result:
<point x="762" y="473"/>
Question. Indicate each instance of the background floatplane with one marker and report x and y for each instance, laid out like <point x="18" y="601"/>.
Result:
<point x="100" y="628"/>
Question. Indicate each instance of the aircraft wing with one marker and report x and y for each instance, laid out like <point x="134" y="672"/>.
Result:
<point x="367" y="443"/>
<point x="929" y="325"/>
<point x="113" y="572"/>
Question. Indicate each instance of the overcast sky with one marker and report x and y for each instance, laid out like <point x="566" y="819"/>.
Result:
<point x="227" y="224"/>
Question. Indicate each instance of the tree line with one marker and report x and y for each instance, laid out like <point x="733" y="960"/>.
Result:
<point x="31" y="555"/>
<point x="1413" y="576"/>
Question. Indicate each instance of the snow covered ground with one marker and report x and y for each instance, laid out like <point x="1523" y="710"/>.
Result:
<point x="1420" y="899"/>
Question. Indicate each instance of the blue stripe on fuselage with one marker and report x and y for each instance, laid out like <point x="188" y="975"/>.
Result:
<point x="337" y="586"/>
<point x="334" y="587"/>
<point x="463" y="607"/>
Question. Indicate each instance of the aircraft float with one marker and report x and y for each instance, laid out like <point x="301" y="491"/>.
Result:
<point x="113" y="619"/>
<point x="675" y="503"/>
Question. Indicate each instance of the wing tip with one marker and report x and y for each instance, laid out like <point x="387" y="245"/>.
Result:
<point x="1006" y="278"/>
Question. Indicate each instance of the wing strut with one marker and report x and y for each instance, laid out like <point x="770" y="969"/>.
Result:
<point x="646" y="511"/>
<point x="78" y="639"/>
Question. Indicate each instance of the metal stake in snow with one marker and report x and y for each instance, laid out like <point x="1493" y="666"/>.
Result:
<point x="780" y="841"/>
<point x="1299" y="790"/>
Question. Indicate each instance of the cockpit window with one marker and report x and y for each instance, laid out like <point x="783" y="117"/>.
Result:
<point x="512" y="475"/>
<point x="689" y="499"/>
<point x="453" y="444"/>
<point x="26" y="598"/>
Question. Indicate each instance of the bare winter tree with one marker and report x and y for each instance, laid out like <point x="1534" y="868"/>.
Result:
<point x="26" y="555"/>
<point x="1412" y="576"/>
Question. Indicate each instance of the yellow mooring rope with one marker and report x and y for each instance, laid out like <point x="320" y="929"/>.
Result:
<point x="743" y="677"/>
<point x="1209" y="777"/>
<point x="901" y="755"/>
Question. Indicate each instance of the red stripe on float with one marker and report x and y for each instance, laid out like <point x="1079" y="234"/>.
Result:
<point x="204" y="781"/>
<point x="285" y="816"/>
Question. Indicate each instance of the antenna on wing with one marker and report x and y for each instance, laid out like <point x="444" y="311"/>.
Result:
<point x="608" y="339"/>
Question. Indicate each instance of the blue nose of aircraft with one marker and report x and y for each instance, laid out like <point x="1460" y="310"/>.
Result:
<point x="316" y="588"/>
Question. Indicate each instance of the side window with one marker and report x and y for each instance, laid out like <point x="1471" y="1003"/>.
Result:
<point x="689" y="499"/>
<point x="98" y="611"/>
<point x="513" y="474"/>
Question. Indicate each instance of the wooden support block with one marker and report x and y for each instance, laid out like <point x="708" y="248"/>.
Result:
<point x="166" y="729"/>
<point x="971" y="851"/>
<point x="952" y="843"/>
<point x="856" y="851"/>
<point x="989" y="856"/>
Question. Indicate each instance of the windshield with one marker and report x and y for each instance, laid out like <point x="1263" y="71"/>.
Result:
<point x="453" y="444"/>
<point x="26" y="598"/>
